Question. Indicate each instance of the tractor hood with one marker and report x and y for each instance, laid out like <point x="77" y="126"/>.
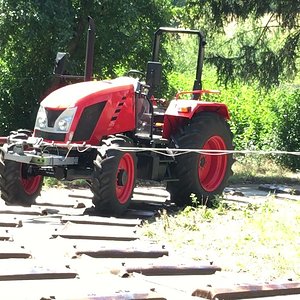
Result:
<point x="87" y="111"/>
<point x="71" y="95"/>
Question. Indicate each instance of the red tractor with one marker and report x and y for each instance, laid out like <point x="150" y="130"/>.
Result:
<point x="112" y="132"/>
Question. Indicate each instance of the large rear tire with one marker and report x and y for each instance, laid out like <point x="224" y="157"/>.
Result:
<point x="203" y="175"/>
<point x="114" y="177"/>
<point x="19" y="185"/>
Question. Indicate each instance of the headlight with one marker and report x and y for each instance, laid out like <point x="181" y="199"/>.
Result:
<point x="63" y="125"/>
<point x="64" y="121"/>
<point x="41" y="119"/>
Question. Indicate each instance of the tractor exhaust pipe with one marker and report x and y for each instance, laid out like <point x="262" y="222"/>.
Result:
<point x="89" y="56"/>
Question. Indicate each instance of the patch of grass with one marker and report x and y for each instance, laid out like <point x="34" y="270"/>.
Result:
<point x="261" y="240"/>
<point x="260" y="169"/>
<point x="50" y="182"/>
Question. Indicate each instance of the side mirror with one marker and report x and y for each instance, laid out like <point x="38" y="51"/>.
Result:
<point x="60" y="62"/>
<point x="153" y="76"/>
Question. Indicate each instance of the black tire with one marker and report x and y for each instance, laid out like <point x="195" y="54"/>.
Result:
<point x="205" y="176"/>
<point x="114" y="177"/>
<point x="18" y="187"/>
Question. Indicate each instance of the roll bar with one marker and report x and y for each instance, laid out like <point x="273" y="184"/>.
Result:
<point x="202" y="42"/>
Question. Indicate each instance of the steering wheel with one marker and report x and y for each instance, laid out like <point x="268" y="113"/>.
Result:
<point x="135" y="74"/>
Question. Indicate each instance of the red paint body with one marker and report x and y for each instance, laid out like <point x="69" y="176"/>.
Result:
<point x="115" y="118"/>
<point x="173" y="120"/>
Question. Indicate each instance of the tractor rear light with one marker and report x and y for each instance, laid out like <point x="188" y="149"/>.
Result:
<point x="184" y="109"/>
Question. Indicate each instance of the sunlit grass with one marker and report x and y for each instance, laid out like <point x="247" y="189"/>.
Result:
<point x="50" y="182"/>
<point x="261" y="169"/>
<point x="260" y="240"/>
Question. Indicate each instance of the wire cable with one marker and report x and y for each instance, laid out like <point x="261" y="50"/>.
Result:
<point x="169" y="152"/>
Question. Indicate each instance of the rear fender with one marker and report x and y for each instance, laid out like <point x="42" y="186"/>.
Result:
<point x="179" y="112"/>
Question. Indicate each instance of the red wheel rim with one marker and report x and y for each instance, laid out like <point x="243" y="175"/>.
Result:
<point x="30" y="184"/>
<point x="126" y="170"/>
<point x="212" y="168"/>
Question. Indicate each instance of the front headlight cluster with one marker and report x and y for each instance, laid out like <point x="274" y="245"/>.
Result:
<point x="61" y="124"/>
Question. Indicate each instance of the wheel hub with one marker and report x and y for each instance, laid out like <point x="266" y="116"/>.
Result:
<point x="202" y="162"/>
<point x="122" y="177"/>
<point x="125" y="178"/>
<point x="212" y="168"/>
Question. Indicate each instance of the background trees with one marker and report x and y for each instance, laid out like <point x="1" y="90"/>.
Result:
<point x="252" y="40"/>
<point x="31" y="32"/>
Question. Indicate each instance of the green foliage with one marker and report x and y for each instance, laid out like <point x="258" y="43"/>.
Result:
<point x="248" y="40"/>
<point x="287" y="125"/>
<point x="251" y="116"/>
<point x="265" y="121"/>
<point x="222" y="11"/>
<point x="182" y="62"/>
<point x="29" y="38"/>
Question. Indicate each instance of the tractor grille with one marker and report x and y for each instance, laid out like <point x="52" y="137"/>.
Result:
<point x="88" y="121"/>
<point x="52" y="116"/>
<point x="52" y="136"/>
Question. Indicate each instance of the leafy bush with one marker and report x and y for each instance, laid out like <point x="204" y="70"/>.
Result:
<point x="266" y="120"/>
<point x="286" y="108"/>
<point x="251" y="116"/>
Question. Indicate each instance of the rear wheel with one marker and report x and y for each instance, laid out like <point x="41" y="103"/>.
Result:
<point x="202" y="174"/>
<point x="114" y="177"/>
<point x="19" y="185"/>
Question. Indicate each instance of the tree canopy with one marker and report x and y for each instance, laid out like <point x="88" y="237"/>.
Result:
<point x="252" y="40"/>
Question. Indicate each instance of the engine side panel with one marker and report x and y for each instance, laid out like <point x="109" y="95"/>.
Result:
<point x="117" y="114"/>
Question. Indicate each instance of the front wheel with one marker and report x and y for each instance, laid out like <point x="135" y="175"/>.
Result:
<point x="114" y="177"/>
<point x="203" y="174"/>
<point x="19" y="186"/>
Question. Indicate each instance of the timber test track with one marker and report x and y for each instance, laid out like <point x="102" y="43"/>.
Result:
<point x="59" y="249"/>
